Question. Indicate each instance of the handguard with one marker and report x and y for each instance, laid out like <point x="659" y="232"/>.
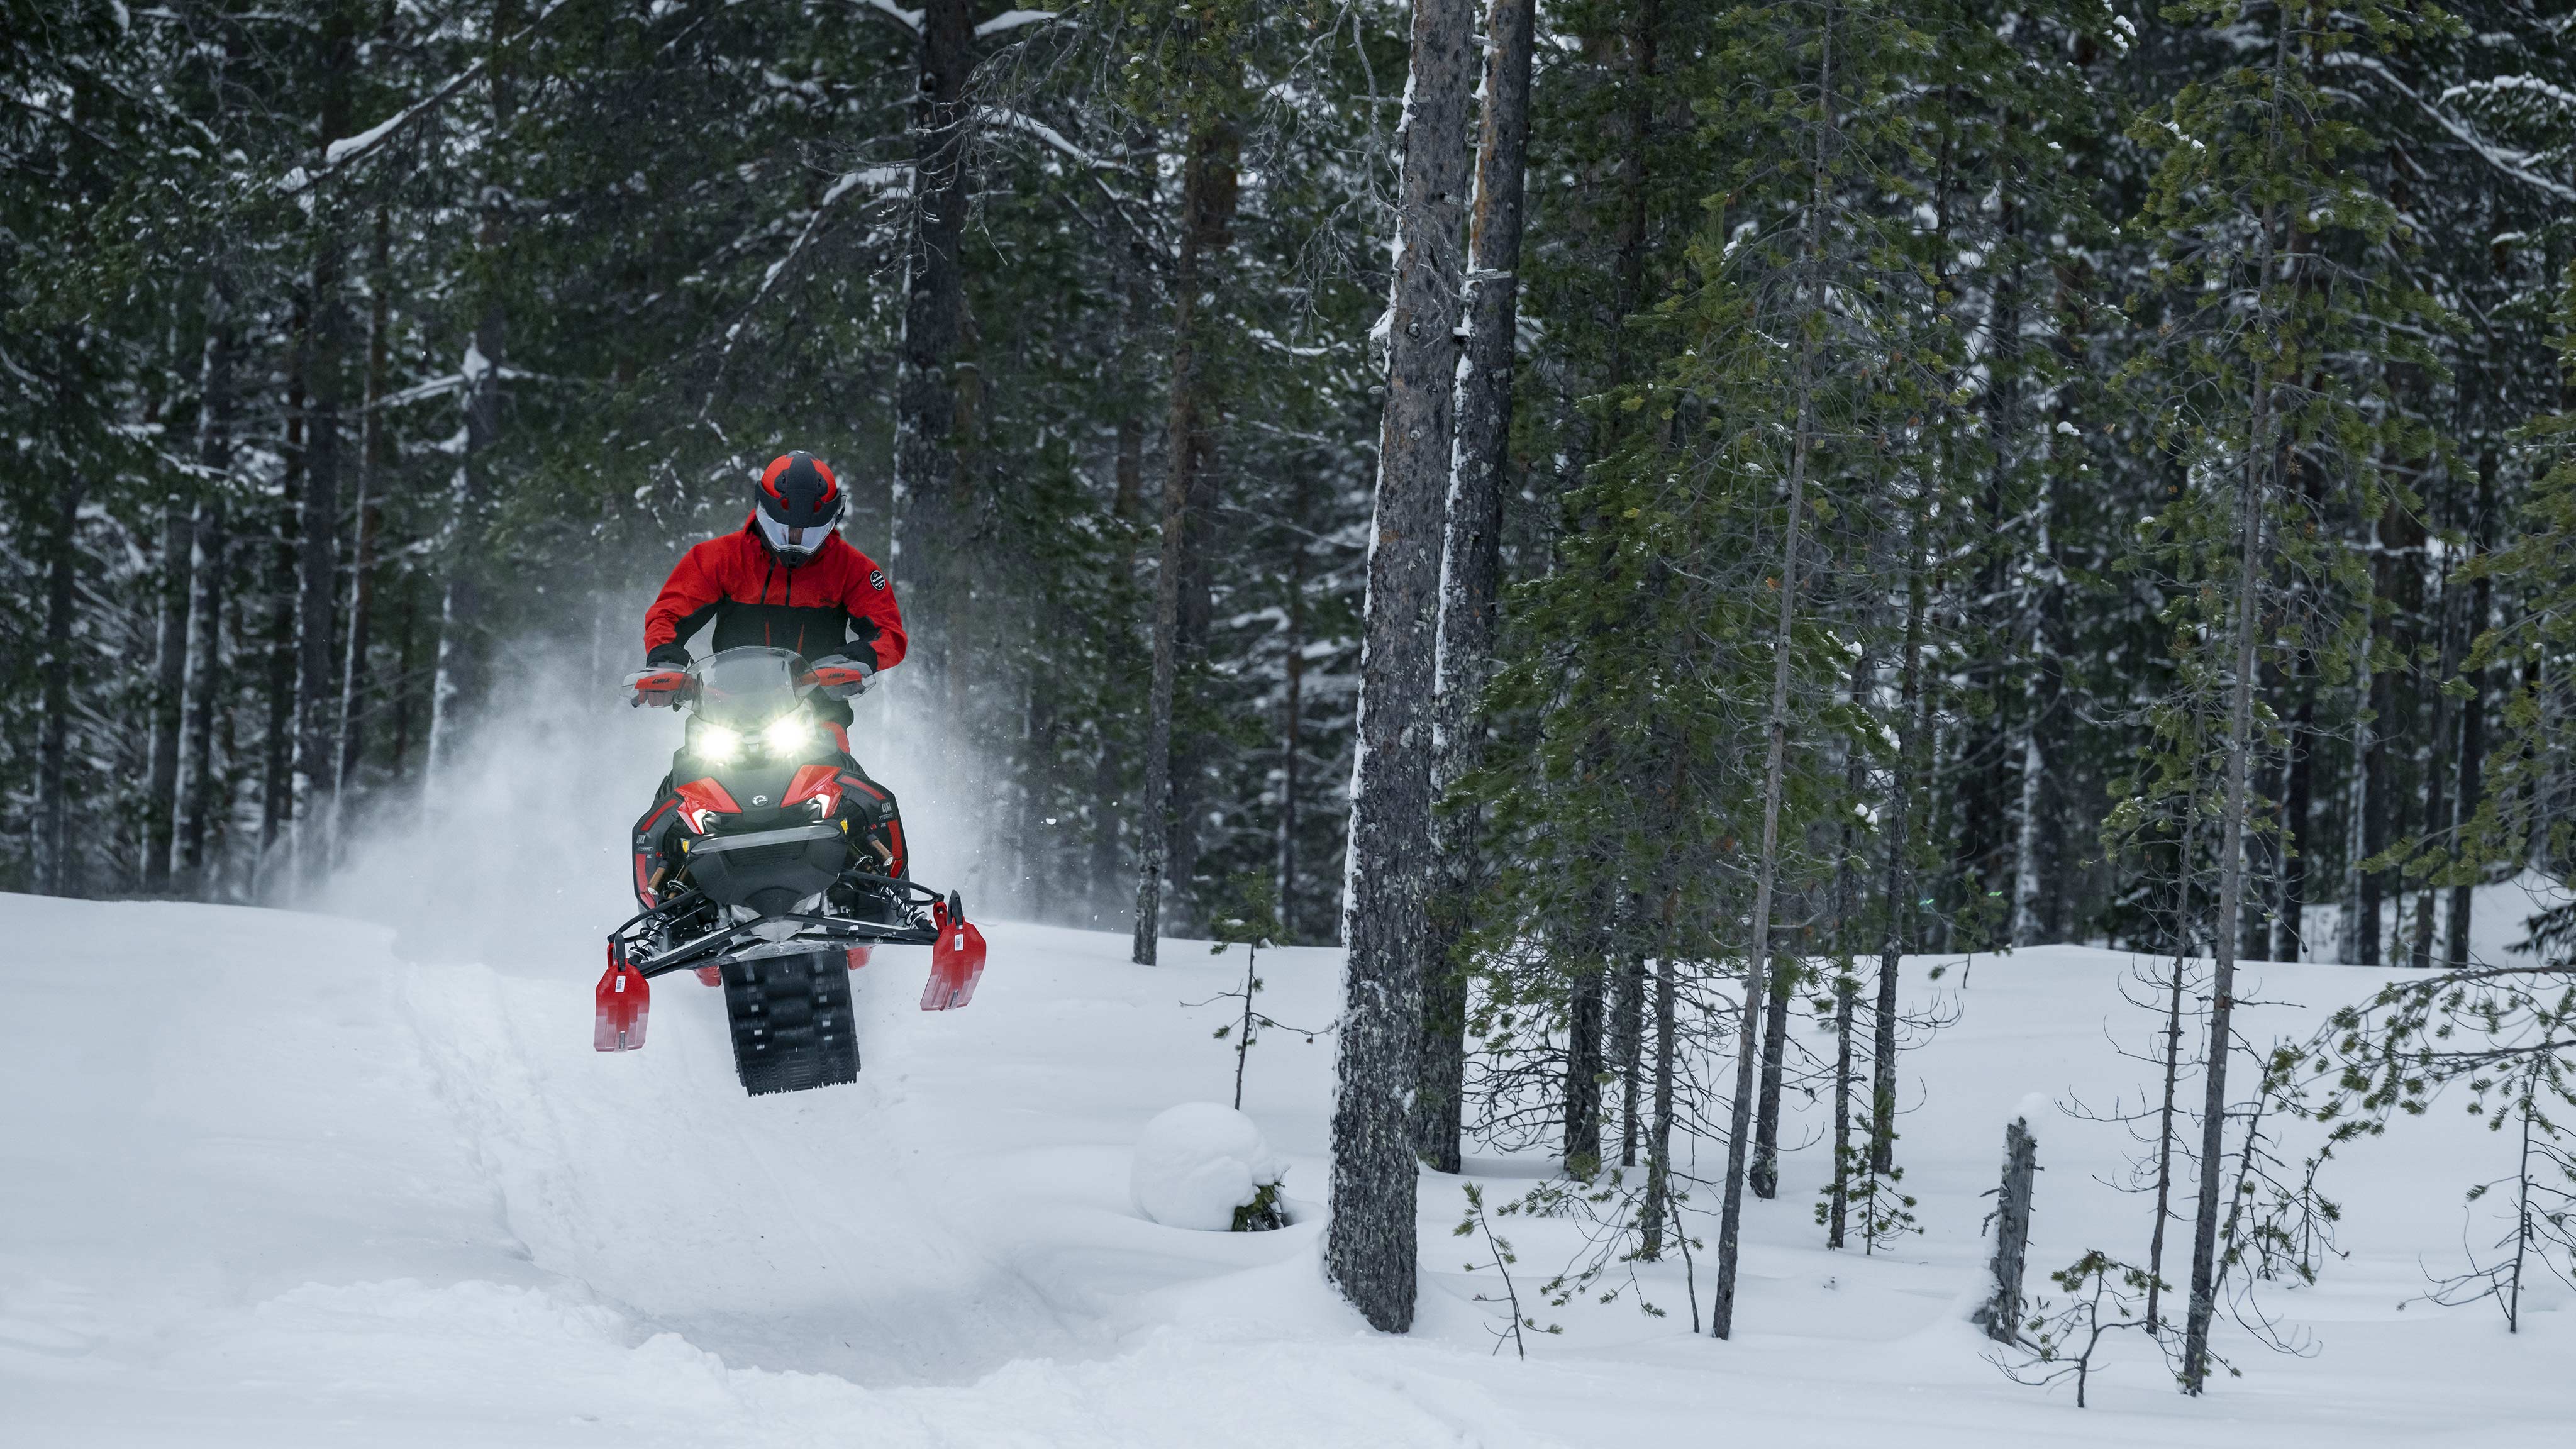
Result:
<point x="841" y="678"/>
<point x="657" y="685"/>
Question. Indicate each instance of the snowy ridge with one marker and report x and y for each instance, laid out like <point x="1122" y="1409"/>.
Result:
<point x="266" y="1182"/>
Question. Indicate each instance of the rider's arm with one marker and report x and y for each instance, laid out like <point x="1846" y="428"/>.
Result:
<point x="875" y="619"/>
<point x="688" y="598"/>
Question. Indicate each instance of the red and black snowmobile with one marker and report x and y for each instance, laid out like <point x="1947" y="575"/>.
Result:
<point x="766" y="868"/>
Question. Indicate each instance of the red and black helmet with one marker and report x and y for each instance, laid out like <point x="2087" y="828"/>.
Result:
<point x="796" y="506"/>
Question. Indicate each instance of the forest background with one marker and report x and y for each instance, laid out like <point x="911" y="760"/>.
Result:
<point x="1968" y="475"/>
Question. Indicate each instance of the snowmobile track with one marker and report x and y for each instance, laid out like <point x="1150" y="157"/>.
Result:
<point x="791" y="1021"/>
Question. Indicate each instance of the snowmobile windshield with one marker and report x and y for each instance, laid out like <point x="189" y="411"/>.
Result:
<point x="748" y="689"/>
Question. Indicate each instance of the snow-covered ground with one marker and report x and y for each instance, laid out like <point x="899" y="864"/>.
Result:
<point x="285" y="1179"/>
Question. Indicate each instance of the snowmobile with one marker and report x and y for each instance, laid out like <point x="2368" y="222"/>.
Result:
<point x="763" y="871"/>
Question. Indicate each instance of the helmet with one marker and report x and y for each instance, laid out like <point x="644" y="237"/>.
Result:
<point x="796" y="506"/>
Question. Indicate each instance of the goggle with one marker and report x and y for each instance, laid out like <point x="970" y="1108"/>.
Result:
<point x="795" y="542"/>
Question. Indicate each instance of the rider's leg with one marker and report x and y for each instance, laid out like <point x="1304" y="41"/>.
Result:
<point x="651" y="839"/>
<point x="876" y="819"/>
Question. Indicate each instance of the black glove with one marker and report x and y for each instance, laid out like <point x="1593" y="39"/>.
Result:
<point x="674" y="654"/>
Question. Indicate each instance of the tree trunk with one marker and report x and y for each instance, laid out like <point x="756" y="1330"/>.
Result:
<point x="928" y="514"/>
<point x="2231" y="858"/>
<point x="1900" y="879"/>
<point x="362" y="561"/>
<point x="2360" y="944"/>
<point x="317" y="592"/>
<point x="457" y="683"/>
<point x="1292" y="744"/>
<point x="1209" y="184"/>
<point x="1370" y="1245"/>
<point x="1470" y="573"/>
<point x="2435" y="753"/>
<point x="1775" y="762"/>
<point x="277" y="741"/>
<point x="1583" y="1020"/>
<point x="2298" y="799"/>
<point x="199" y="792"/>
<point x="193" y="793"/>
<point x="1775" y="1051"/>
<point x="1656" y="1203"/>
<point x="317" y="587"/>
<point x="2473" y="735"/>
<point x="1838" y="1195"/>
<point x="2000" y="1314"/>
<point x="1627" y="1047"/>
<point x="170" y="676"/>
<point x="55" y="875"/>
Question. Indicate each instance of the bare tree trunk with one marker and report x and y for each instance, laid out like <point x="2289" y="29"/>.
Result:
<point x="2435" y="754"/>
<point x="1370" y="1245"/>
<point x="1838" y="1195"/>
<point x="362" y="561"/>
<point x="2473" y="741"/>
<point x="277" y="741"/>
<point x="1471" y="568"/>
<point x="170" y="676"/>
<point x="1292" y="718"/>
<point x="927" y="511"/>
<point x="317" y="591"/>
<point x="1765" y="1172"/>
<point x="1627" y="1046"/>
<point x="199" y="791"/>
<point x="2025" y="921"/>
<point x="2000" y="1314"/>
<point x="1209" y="186"/>
<point x="2165" y="1135"/>
<point x="2231" y="858"/>
<point x="1900" y="880"/>
<point x="55" y="875"/>
<point x="2360" y="943"/>
<point x="1775" y="762"/>
<point x="457" y="684"/>
<point x="1656" y="1206"/>
<point x="2298" y="800"/>
<point x="1583" y="1020"/>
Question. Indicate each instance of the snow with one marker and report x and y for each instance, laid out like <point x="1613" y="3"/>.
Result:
<point x="280" y="1179"/>
<point x="1196" y="1163"/>
<point x="363" y="141"/>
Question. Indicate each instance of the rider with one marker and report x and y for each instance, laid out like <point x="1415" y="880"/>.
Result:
<point x="787" y="580"/>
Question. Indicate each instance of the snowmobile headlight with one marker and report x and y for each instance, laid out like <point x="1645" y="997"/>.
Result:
<point x="716" y="743"/>
<point x="785" y="733"/>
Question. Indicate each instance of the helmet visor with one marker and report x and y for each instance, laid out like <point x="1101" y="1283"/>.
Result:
<point x="796" y="544"/>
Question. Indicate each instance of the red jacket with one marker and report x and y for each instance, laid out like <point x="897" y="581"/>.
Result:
<point x="838" y="596"/>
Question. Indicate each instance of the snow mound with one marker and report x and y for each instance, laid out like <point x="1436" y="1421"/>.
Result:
<point x="1197" y="1163"/>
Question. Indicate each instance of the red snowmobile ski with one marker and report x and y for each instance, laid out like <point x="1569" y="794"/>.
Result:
<point x="762" y="867"/>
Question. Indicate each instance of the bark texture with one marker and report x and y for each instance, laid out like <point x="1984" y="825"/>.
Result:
<point x="169" y="680"/>
<point x="1369" y="1247"/>
<point x="1209" y="187"/>
<point x="1471" y="563"/>
<point x="927" y="511"/>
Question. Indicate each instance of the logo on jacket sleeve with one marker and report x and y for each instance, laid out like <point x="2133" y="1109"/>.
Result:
<point x="876" y="580"/>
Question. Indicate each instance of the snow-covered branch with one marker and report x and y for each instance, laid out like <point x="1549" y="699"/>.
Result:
<point x="2508" y="162"/>
<point x="348" y="150"/>
<point x="1012" y="20"/>
<point x="908" y="19"/>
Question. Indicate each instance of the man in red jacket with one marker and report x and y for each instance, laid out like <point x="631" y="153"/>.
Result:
<point x="787" y="580"/>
